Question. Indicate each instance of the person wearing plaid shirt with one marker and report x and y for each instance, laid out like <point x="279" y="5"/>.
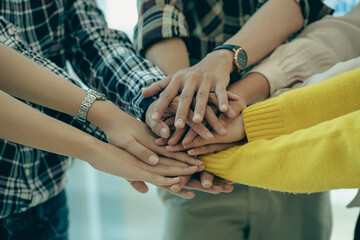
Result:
<point x="179" y="37"/>
<point x="49" y="33"/>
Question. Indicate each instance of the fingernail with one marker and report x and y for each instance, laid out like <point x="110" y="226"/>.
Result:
<point x="206" y="183"/>
<point x="209" y="136"/>
<point x="232" y="114"/>
<point x="197" y="117"/>
<point x="201" y="168"/>
<point x="186" y="145"/>
<point x="223" y="108"/>
<point x="179" y="123"/>
<point x="155" y="116"/>
<point x="193" y="168"/>
<point x="153" y="159"/>
<point x="223" y="131"/>
<point x="175" y="188"/>
<point x="191" y="152"/>
<point x="163" y="132"/>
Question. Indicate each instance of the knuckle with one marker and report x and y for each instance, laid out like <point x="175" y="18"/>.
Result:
<point x="202" y="94"/>
<point x="186" y="96"/>
<point x="165" y="94"/>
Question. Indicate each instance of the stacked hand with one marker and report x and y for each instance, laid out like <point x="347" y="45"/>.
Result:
<point x="207" y="123"/>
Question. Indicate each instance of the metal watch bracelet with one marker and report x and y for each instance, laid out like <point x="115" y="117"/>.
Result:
<point x="90" y="98"/>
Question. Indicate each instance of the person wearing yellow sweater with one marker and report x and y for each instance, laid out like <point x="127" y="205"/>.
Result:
<point x="305" y="140"/>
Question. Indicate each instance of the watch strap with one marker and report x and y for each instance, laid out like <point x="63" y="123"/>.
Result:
<point x="90" y="98"/>
<point x="240" y="56"/>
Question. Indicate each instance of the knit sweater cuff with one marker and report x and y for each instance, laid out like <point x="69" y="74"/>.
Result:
<point x="263" y="120"/>
<point x="220" y="164"/>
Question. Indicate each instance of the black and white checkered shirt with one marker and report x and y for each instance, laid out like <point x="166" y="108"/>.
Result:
<point x="51" y="32"/>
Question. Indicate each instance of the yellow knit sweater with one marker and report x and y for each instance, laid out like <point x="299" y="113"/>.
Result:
<point x="315" y="144"/>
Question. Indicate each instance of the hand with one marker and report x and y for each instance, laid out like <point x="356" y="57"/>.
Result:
<point x="236" y="105"/>
<point x="162" y="127"/>
<point x="207" y="183"/>
<point x="208" y="75"/>
<point x="110" y="159"/>
<point x="135" y="137"/>
<point x="236" y="133"/>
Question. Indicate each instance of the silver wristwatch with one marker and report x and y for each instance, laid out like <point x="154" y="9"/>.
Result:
<point x="90" y="97"/>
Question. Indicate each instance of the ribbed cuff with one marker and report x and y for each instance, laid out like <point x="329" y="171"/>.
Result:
<point x="263" y="120"/>
<point x="220" y="164"/>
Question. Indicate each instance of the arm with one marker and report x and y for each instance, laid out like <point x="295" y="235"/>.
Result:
<point x="320" y="158"/>
<point x="105" y="58"/>
<point x="22" y="124"/>
<point x="36" y="84"/>
<point x="213" y="75"/>
<point x="304" y="107"/>
<point x="313" y="51"/>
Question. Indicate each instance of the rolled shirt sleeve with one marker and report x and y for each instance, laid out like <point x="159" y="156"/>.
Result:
<point x="313" y="51"/>
<point x="106" y="60"/>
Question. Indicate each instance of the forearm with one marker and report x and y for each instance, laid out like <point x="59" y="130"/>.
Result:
<point x="22" y="124"/>
<point x="271" y="25"/>
<point x="319" y="158"/>
<point x="37" y="84"/>
<point x="304" y="107"/>
<point x="169" y="55"/>
<point x="105" y="59"/>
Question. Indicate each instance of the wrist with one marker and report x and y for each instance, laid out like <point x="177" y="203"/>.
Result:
<point x="104" y="114"/>
<point x="225" y="58"/>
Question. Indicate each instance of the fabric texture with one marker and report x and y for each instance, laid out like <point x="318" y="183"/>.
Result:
<point x="203" y="24"/>
<point x="317" y="150"/>
<point x="312" y="52"/>
<point x="51" y="33"/>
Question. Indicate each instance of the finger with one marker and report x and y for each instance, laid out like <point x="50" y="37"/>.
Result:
<point x="177" y="187"/>
<point x="214" y="122"/>
<point x="206" y="179"/>
<point x="221" y="95"/>
<point x="181" y="156"/>
<point x="232" y="96"/>
<point x="198" y="142"/>
<point x="225" y="186"/>
<point x="210" y="149"/>
<point x="183" y="193"/>
<point x="175" y="148"/>
<point x="189" y="137"/>
<point x="157" y="179"/>
<point x="177" y="135"/>
<point x="185" y="100"/>
<point x="156" y="87"/>
<point x="139" y="186"/>
<point x="196" y="184"/>
<point x="141" y="152"/>
<point x="165" y="98"/>
<point x="202" y="97"/>
<point x="166" y="170"/>
<point x="170" y="121"/>
<point x="159" y="128"/>
<point x="161" y="141"/>
<point x="213" y="99"/>
<point x="199" y="128"/>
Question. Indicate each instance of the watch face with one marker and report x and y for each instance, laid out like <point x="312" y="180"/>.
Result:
<point x="241" y="58"/>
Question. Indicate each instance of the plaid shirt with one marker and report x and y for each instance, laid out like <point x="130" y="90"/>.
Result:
<point x="50" y="33"/>
<point x="203" y="24"/>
